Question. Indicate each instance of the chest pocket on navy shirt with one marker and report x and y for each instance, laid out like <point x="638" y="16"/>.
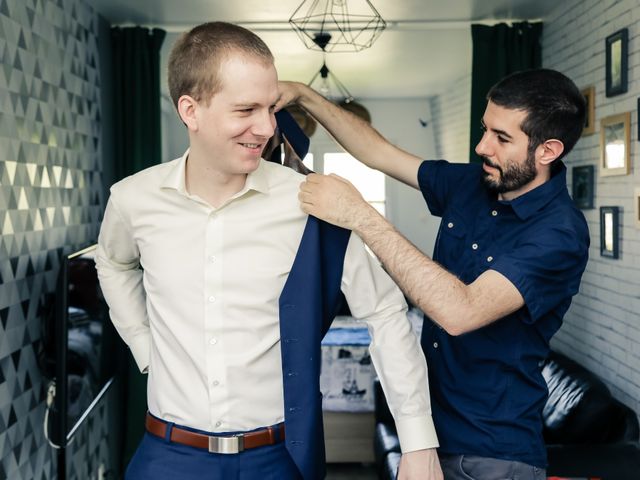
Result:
<point x="451" y="240"/>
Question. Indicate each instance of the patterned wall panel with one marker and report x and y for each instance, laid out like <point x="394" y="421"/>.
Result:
<point x="51" y="201"/>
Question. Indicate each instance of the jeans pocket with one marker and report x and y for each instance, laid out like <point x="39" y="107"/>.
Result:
<point x="465" y="474"/>
<point x="485" y="468"/>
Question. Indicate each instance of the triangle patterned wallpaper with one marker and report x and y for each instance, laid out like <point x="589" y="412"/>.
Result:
<point x="51" y="202"/>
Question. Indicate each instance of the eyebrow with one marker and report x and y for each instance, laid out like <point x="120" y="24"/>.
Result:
<point x="253" y="104"/>
<point x="497" y="130"/>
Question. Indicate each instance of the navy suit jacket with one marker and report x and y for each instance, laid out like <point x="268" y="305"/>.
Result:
<point x="308" y="304"/>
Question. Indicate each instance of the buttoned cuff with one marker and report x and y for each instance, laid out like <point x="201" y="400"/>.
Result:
<point x="416" y="433"/>
<point x="140" y="346"/>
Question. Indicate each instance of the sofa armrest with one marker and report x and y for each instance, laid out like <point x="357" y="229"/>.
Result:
<point x="619" y="461"/>
<point x="390" y="468"/>
<point x="580" y="408"/>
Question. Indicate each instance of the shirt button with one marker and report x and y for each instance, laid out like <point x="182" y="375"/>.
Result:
<point x="218" y="424"/>
<point x="450" y="225"/>
<point x="489" y="259"/>
<point x="435" y="344"/>
<point x="212" y="259"/>
<point x="474" y="246"/>
<point x="213" y="341"/>
<point x="212" y="299"/>
<point x="215" y="383"/>
<point x="494" y="213"/>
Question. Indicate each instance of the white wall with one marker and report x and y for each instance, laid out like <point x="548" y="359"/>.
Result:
<point x="602" y="328"/>
<point x="451" y="113"/>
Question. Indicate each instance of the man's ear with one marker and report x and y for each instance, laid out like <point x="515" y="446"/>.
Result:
<point x="187" y="107"/>
<point x="549" y="151"/>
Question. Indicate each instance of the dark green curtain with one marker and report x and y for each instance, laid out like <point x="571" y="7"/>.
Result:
<point x="136" y="89"/>
<point x="499" y="50"/>
<point x="135" y="53"/>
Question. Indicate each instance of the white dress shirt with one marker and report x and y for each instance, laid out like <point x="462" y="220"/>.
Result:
<point x="193" y="290"/>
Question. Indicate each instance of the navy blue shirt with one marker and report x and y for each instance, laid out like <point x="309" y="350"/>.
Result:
<point x="487" y="388"/>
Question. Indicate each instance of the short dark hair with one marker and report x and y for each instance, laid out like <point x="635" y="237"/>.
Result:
<point x="555" y="107"/>
<point x="196" y="57"/>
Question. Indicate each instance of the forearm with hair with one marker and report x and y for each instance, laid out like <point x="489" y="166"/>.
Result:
<point x="438" y="293"/>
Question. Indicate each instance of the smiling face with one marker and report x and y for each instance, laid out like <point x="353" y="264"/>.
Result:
<point x="509" y="164"/>
<point x="232" y="130"/>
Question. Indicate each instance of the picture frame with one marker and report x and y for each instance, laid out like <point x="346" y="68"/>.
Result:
<point x="582" y="186"/>
<point x="636" y="202"/>
<point x="616" y="48"/>
<point x="609" y="226"/>
<point x="589" y="94"/>
<point x="615" y="144"/>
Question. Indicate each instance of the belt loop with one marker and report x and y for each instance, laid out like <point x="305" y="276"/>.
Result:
<point x="167" y="431"/>
<point x="272" y="435"/>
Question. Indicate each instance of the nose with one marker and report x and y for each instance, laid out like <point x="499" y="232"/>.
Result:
<point x="265" y="124"/>
<point x="482" y="148"/>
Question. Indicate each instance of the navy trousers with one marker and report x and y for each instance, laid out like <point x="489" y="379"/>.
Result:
<point x="159" y="459"/>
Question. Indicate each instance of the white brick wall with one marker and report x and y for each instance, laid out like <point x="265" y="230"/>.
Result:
<point x="602" y="328"/>
<point x="451" y="115"/>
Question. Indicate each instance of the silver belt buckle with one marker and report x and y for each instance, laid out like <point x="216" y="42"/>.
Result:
<point x="226" y="445"/>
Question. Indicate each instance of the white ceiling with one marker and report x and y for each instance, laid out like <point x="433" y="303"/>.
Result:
<point x="426" y="46"/>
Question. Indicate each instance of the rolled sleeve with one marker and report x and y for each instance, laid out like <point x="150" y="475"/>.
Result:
<point x="395" y="351"/>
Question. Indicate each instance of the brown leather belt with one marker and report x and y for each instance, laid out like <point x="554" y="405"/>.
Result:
<point x="217" y="443"/>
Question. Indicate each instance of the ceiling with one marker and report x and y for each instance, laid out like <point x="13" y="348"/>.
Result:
<point x="425" y="47"/>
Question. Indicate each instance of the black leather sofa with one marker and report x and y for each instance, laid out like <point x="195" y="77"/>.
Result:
<point x="588" y="432"/>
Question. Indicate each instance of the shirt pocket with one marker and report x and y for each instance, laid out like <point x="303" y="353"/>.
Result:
<point x="451" y="240"/>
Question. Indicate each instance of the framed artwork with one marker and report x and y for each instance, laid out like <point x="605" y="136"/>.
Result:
<point x="590" y="118"/>
<point x="582" y="186"/>
<point x="609" y="232"/>
<point x="636" y="202"/>
<point x="616" y="59"/>
<point x="614" y="144"/>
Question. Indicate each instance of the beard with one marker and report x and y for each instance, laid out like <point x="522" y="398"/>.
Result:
<point x="512" y="176"/>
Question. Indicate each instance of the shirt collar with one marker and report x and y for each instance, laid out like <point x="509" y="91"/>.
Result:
<point x="528" y="204"/>
<point x="175" y="179"/>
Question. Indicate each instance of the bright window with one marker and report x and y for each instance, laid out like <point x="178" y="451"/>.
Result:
<point x="369" y="182"/>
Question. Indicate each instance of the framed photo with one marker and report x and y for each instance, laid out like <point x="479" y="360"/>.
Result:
<point x="616" y="57"/>
<point x="609" y="232"/>
<point x="582" y="186"/>
<point x="614" y="144"/>
<point x="590" y="119"/>
<point x="636" y="202"/>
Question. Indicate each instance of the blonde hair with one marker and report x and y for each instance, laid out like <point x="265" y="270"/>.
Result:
<point x="196" y="57"/>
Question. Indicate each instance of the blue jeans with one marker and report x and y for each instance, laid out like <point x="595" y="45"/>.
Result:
<point x="159" y="459"/>
<point x="470" y="467"/>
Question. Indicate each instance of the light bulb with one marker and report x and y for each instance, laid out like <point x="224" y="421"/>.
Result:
<point x="324" y="87"/>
